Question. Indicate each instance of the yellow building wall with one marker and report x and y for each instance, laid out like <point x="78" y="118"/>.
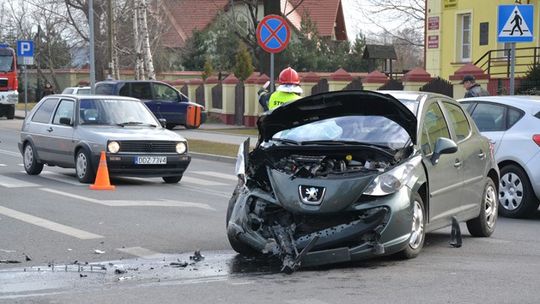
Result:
<point x="443" y="60"/>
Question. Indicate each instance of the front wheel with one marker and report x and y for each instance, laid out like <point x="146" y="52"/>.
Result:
<point x="418" y="231"/>
<point x="484" y="224"/>
<point x="83" y="166"/>
<point x="31" y="164"/>
<point x="170" y="126"/>
<point x="172" y="179"/>
<point x="10" y="112"/>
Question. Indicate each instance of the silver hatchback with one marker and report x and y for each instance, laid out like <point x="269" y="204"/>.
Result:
<point x="71" y="131"/>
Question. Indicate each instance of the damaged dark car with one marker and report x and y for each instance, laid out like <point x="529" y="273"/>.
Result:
<point x="349" y="175"/>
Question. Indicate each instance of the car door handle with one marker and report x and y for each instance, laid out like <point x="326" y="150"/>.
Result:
<point x="457" y="164"/>
<point x="50" y="129"/>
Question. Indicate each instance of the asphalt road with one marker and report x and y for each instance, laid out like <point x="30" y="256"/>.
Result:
<point x="130" y="237"/>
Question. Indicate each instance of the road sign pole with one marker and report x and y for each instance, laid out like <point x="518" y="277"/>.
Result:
<point x="272" y="73"/>
<point x="512" y="66"/>
<point x="25" y="90"/>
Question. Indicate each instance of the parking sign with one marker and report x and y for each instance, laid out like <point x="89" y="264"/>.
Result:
<point x="25" y="48"/>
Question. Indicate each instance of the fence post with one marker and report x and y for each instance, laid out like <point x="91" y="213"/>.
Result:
<point x="339" y="80"/>
<point x="374" y="80"/>
<point x="193" y="84"/>
<point x="308" y="81"/>
<point x="229" y="99"/>
<point x="209" y="84"/>
<point x="251" y="100"/>
<point x="415" y="79"/>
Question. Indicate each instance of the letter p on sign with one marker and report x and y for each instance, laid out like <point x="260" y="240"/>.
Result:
<point x="25" y="48"/>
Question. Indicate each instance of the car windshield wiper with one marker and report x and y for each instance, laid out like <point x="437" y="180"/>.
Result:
<point x="135" y="123"/>
<point x="286" y="141"/>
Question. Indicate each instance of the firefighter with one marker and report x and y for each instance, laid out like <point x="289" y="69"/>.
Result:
<point x="288" y="90"/>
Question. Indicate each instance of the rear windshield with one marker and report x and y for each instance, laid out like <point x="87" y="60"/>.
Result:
<point x="104" y="89"/>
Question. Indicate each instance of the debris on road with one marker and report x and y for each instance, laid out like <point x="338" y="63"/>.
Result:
<point x="197" y="256"/>
<point x="119" y="269"/>
<point x="9" y="262"/>
<point x="179" y="264"/>
<point x="83" y="275"/>
<point x="26" y="257"/>
<point x="97" y="251"/>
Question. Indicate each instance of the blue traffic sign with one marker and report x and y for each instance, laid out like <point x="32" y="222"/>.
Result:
<point x="515" y="23"/>
<point x="25" y="48"/>
<point x="273" y="33"/>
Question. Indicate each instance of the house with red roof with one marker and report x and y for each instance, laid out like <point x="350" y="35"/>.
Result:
<point x="186" y="16"/>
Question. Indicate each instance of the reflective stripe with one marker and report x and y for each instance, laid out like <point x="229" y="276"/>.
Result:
<point x="278" y="98"/>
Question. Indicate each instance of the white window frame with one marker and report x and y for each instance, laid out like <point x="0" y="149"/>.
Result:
<point x="461" y="32"/>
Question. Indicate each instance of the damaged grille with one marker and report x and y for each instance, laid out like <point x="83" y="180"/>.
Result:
<point x="148" y="146"/>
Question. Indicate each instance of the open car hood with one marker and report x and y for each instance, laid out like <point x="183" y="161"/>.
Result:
<point x="335" y="104"/>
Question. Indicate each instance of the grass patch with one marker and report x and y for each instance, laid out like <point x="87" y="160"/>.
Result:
<point x="235" y="131"/>
<point x="20" y="106"/>
<point x="203" y="146"/>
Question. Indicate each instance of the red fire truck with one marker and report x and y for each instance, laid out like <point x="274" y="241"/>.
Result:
<point x="9" y="84"/>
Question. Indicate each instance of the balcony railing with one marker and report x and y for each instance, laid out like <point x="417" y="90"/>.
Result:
<point x="497" y="62"/>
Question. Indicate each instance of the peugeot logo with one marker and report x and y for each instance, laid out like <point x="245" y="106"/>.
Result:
<point x="311" y="195"/>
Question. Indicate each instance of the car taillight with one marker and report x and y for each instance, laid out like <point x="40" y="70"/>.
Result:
<point x="536" y="139"/>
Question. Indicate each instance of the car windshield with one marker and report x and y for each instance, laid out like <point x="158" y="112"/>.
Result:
<point x="120" y="112"/>
<point x="83" y="91"/>
<point x="6" y="63"/>
<point x="373" y="130"/>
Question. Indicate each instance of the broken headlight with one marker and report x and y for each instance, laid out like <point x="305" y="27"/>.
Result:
<point x="391" y="181"/>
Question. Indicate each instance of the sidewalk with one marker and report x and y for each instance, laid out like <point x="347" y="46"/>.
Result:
<point x="212" y="132"/>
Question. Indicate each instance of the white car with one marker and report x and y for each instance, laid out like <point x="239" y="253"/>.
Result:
<point x="77" y="90"/>
<point x="513" y="124"/>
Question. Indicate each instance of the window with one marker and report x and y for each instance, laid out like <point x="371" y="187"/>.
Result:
<point x="469" y="106"/>
<point x="141" y="90"/>
<point x="165" y="93"/>
<point x="434" y="126"/>
<point x="489" y="117"/>
<point x="104" y="89"/>
<point x="459" y="121"/>
<point x="43" y="114"/>
<point x="464" y="41"/>
<point x="65" y="109"/>
<point x="513" y="117"/>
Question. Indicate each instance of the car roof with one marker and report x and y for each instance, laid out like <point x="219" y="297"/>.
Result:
<point x="88" y="96"/>
<point x="527" y="103"/>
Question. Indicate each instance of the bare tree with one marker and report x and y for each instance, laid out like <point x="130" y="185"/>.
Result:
<point x="390" y="16"/>
<point x="143" y="26"/>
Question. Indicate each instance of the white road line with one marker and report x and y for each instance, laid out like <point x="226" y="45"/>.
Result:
<point x="9" y="182"/>
<point x="140" y="252"/>
<point x="131" y="203"/>
<point x="10" y="153"/>
<point x="205" y="191"/>
<point x="34" y="220"/>
<point x="201" y="182"/>
<point x="59" y="177"/>
<point x="230" y="177"/>
<point x="20" y="165"/>
<point x="3" y="165"/>
<point x="306" y="301"/>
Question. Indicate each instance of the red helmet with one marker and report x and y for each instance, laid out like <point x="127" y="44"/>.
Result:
<point x="289" y="76"/>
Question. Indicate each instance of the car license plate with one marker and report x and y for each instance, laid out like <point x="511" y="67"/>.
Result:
<point x="151" y="160"/>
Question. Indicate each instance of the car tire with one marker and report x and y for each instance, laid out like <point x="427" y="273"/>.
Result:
<point x="10" y="112"/>
<point x="516" y="196"/>
<point x="236" y="244"/>
<point x="30" y="162"/>
<point x="172" y="179"/>
<point x="170" y="126"/>
<point x="418" y="231"/>
<point x="484" y="224"/>
<point x="84" y="168"/>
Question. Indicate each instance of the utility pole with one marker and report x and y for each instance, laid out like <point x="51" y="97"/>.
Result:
<point x="92" y="56"/>
<point x="111" y="40"/>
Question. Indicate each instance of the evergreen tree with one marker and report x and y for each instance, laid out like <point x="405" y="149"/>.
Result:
<point x="244" y="63"/>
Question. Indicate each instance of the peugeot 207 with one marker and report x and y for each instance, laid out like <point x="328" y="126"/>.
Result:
<point x="71" y="131"/>
<point x="347" y="175"/>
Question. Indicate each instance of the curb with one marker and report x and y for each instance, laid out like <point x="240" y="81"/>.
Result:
<point x="213" y="157"/>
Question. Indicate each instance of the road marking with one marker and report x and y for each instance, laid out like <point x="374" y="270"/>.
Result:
<point x="3" y="165"/>
<point x="230" y="177"/>
<point x="10" y="153"/>
<point x="139" y="252"/>
<point x="205" y="191"/>
<point x="306" y="301"/>
<point x="201" y="182"/>
<point x="9" y="182"/>
<point x="20" y="165"/>
<point x="34" y="220"/>
<point x="132" y="203"/>
<point x="59" y="177"/>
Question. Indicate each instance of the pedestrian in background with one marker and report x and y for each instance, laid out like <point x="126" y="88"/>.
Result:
<point x="288" y="90"/>
<point x="48" y="90"/>
<point x="473" y="88"/>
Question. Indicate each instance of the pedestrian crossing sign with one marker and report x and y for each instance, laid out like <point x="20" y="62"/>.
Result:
<point x="515" y="23"/>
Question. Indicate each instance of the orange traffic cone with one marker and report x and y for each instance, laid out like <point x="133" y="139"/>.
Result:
<point x="102" y="176"/>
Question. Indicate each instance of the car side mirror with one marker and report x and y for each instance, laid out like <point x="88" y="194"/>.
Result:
<point x="65" y="121"/>
<point x="443" y="146"/>
<point x="162" y="121"/>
